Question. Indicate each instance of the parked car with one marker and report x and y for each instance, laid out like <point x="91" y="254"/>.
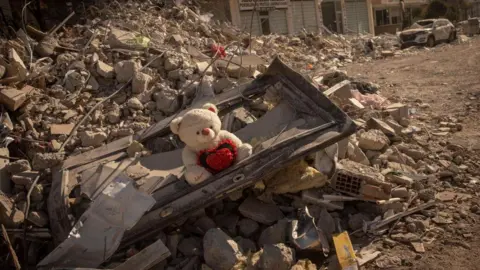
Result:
<point x="428" y="32"/>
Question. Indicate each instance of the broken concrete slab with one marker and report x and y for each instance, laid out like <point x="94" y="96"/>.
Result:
<point x="24" y="178"/>
<point x="297" y="177"/>
<point x="275" y="234"/>
<point x="140" y="82"/>
<point x="340" y="90"/>
<point x="105" y="70"/>
<point x="220" y="251"/>
<point x="400" y="179"/>
<point x="125" y="70"/>
<point x="148" y="258"/>
<point x="120" y="206"/>
<point x="42" y="161"/>
<point x="360" y="180"/>
<point x="398" y="111"/>
<point x="12" y="98"/>
<point x="259" y="211"/>
<point x="203" y="67"/>
<point x="10" y="216"/>
<point x="90" y="138"/>
<point x="373" y="139"/>
<point x="277" y="256"/>
<point x="18" y="166"/>
<point x="61" y="129"/>
<point x="375" y="123"/>
<point x="127" y="40"/>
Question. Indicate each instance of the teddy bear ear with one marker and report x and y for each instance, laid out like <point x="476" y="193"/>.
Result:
<point x="175" y="125"/>
<point x="211" y="107"/>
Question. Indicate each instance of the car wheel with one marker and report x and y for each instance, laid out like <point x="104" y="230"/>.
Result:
<point x="431" y="42"/>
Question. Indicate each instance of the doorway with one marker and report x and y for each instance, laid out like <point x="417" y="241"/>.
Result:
<point x="265" y="22"/>
<point x="328" y="14"/>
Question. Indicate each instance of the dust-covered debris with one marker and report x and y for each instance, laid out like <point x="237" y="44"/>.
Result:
<point x="398" y="159"/>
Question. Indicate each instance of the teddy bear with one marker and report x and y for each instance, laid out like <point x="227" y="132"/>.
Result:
<point x="208" y="149"/>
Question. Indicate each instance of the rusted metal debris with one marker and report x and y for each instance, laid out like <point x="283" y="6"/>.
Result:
<point x="303" y="122"/>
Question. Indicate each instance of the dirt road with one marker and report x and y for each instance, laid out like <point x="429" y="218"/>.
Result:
<point x="446" y="77"/>
<point x="439" y="84"/>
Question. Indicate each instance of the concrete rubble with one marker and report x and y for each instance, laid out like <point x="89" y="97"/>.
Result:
<point x="61" y="106"/>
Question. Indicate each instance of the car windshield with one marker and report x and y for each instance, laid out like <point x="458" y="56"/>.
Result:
<point x="422" y="24"/>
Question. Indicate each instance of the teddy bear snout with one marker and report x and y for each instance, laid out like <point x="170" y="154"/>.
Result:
<point x="206" y="131"/>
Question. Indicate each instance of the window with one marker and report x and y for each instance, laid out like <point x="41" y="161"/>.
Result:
<point x="395" y="20"/>
<point x="382" y="17"/>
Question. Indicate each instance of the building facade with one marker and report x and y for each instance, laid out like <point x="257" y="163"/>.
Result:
<point x="389" y="15"/>
<point x="265" y="17"/>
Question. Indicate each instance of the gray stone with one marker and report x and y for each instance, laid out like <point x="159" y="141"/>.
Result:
<point x="427" y="194"/>
<point x="105" y="70"/>
<point x="414" y="151"/>
<point x="405" y="238"/>
<point x="246" y="245"/>
<point x="10" y="215"/>
<point x="38" y="218"/>
<point x="172" y="61"/>
<point x="222" y="84"/>
<point x="42" y="161"/>
<point x="73" y="81"/>
<point x="92" y="84"/>
<point x="126" y="40"/>
<point x="167" y="100"/>
<point x="204" y="224"/>
<point x="248" y="227"/>
<point x="274" y="234"/>
<point x="259" y="211"/>
<point x="126" y="69"/>
<point x="90" y="138"/>
<point x="375" y="123"/>
<point x="114" y="115"/>
<point x="220" y="251"/>
<point x="191" y="246"/>
<point x="18" y="166"/>
<point x="400" y="192"/>
<point x="135" y="104"/>
<point x="140" y="82"/>
<point x="278" y="257"/>
<point x="373" y="139"/>
<point x="355" y="222"/>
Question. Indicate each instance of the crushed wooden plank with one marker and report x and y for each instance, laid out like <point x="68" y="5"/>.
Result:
<point x="61" y="129"/>
<point x="147" y="258"/>
<point x="98" y="153"/>
<point x="11" y="249"/>
<point x="377" y="225"/>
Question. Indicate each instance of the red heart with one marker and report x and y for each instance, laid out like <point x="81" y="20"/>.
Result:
<point x="220" y="159"/>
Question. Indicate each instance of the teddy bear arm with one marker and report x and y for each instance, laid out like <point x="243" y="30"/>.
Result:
<point x="244" y="149"/>
<point x="227" y="135"/>
<point x="189" y="157"/>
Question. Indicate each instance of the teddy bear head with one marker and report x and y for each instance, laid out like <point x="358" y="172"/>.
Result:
<point x="198" y="126"/>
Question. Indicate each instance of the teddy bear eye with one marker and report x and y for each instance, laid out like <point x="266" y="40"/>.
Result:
<point x="211" y="127"/>
<point x="198" y="132"/>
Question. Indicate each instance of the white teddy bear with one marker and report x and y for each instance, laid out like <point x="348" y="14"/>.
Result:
<point x="208" y="149"/>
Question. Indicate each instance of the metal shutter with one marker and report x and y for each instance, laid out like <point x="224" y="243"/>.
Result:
<point x="304" y="16"/>
<point x="278" y="21"/>
<point x="357" y="16"/>
<point x="246" y="18"/>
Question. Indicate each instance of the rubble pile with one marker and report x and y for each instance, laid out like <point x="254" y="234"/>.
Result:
<point x="397" y="178"/>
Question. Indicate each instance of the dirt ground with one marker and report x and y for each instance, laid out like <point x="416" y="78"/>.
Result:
<point x="447" y="78"/>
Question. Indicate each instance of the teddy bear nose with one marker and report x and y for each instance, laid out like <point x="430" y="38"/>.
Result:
<point x="205" y="131"/>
